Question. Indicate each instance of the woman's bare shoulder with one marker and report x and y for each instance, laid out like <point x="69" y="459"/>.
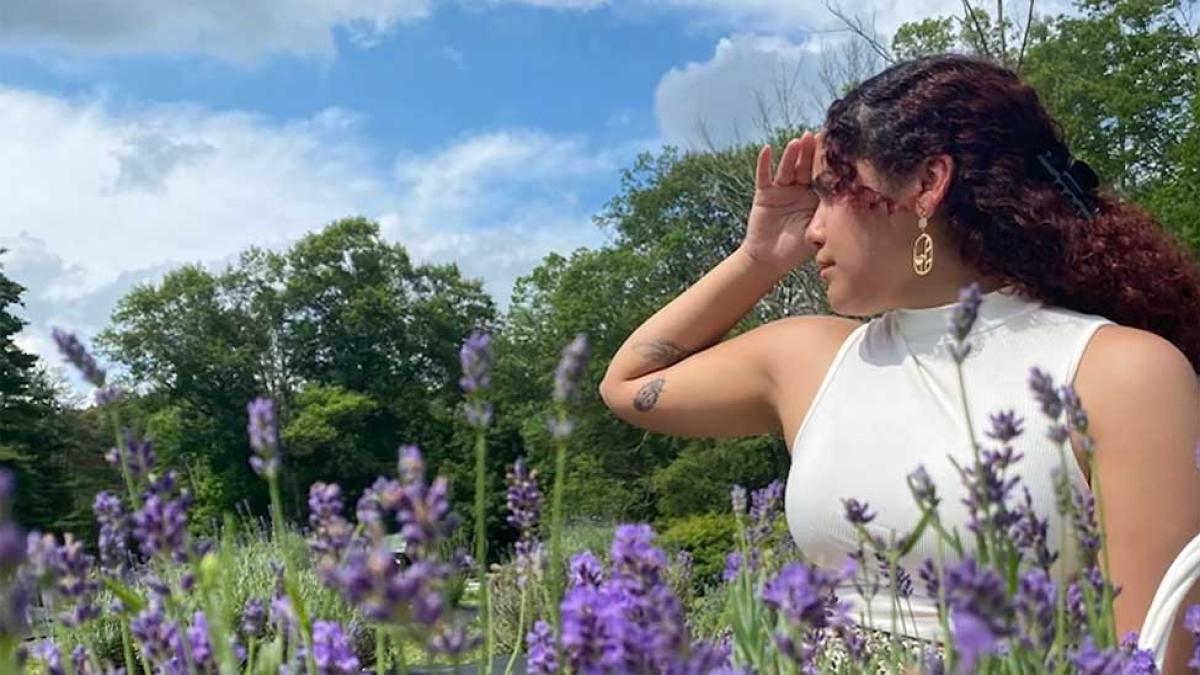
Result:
<point x="804" y="353"/>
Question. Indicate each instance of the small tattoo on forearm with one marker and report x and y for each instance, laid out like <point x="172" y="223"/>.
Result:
<point x="662" y="352"/>
<point x="647" y="396"/>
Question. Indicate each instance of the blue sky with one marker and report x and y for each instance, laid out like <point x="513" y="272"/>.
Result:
<point x="139" y="135"/>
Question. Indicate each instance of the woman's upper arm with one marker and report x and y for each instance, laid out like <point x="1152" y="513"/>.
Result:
<point x="1143" y="402"/>
<point x="732" y="388"/>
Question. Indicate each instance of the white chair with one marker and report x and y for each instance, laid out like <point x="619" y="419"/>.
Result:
<point x="1176" y="583"/>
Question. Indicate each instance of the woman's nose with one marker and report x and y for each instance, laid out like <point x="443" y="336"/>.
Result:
<point x="814" y="234"/>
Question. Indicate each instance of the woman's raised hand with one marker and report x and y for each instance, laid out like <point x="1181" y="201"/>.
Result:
<point x="783" y="206"/>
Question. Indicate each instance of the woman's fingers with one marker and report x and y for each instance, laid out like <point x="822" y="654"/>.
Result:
<point x="762" y="177"/>
<point x="804" y="163"/>
<point x="787" y="163"/>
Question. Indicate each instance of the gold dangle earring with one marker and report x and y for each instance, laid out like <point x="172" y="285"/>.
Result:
<point x="922" y="256"/>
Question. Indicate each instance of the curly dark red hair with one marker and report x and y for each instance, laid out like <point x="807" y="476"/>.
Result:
<point x="1004" y="212"/>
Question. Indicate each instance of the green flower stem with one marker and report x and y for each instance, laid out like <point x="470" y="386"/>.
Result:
<point x="481" y="540"/>
<point x="381" y="660"/>
<point x="397" y="640"/>
<point x="520" y="630"/>
<point x="126" y="647"/>
<point x="250" y="648"/>
<point x="556" y="525"/>
<point x="134" y="501"/>
<point x="276" y="510"/>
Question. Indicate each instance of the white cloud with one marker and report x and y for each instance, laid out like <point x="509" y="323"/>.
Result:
<point x="233" y="30"/>
<point x="98" y="199"/>
<point x="724" y="100"/>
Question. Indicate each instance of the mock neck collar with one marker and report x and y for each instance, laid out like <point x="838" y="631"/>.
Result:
<point x="932" y="323"/>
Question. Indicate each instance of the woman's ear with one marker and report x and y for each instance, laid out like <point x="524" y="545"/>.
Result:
<point x="934" y="178"/>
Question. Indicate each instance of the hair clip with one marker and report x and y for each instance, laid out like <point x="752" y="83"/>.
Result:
<point x="1074" y="177"/>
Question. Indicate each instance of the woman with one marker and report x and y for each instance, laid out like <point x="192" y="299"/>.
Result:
<point x="934" y="174"/>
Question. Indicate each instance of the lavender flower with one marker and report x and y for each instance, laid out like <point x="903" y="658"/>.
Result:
<point x="764" y="508"/>
<point x="138" y="455"/>
<point x="114" y="531"/>
<point x="1191" y="621"/>
<point x="372" y="581"/>
<point x="857" y="513"/>
<point x="592" y="627"/>
<point x="1043" y="389"/>
<point x="331" y="650"/>
<point x="453" y="640"/>
<point x="645" y="621"/>
<point x="733" y="565"/>
<point x="72" y="581"/>
<point x="74" y="352"/>
<point x="331" y="532"/>
<point x="158" y="639"/>
<point x="524" y="505"/>
<point x="805" y="596"/>
<point x="160" y="525"/>
<point x="253" y="618"/>
<point x="541" y="649"/>
<point x="380" y="499"/>
<point x="973" y="637"/>
<point x="1083" y="521"/>
<point x="1005" y="426"/>
<point x="1076" y="416"/>
<point x="570" y="368"/>
<point x="737" y="495"/>
<point x="962" y="319"/>
<point x="928" y="573"/>
<point x="988" y="491"/>
<point x="902" y="583"/>
<point x="586" y="570"/>
<point x="1036" y="598"/>
<point x="264" y="437"/>
<point x="1137" y="661"/>
<point x="424" y="516"/>
<point x="923" y="489"/>
<point x="476" y="359"/>
<point x="981" y="610"/>
<point x="410" y="464"/>
<point x="51" y="656"/>
<point x="524" y="498"/>
<point x="1029" y="533"/>
<point x="201" y="651"/>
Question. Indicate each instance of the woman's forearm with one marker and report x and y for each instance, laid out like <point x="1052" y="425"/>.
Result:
<point x="698" y="318"/>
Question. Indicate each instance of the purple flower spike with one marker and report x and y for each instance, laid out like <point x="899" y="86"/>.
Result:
<point x="264" y="437"/>
<point x="1005" y="426"/>
<point x="737" y="496"/>
<point x="74" y="352"/>
<point x="965" y="312"/>
<point x="586" y="570"/>
<point x="201" y="649"/>
<point x="331" y="650"/>
<point x="857" y="513"/>
<point x="570" y="368"/>
<point x="1043" y="390"/>
<point x="476" y="359"/>
<point x="543" y="656"/>
<point x="254" y="618"/>
<point x="160" y="526"/>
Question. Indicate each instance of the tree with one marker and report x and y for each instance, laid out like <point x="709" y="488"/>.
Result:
<point x="32" y="433"/>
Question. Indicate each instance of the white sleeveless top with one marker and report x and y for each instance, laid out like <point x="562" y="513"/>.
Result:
<point x="890" y="402"/>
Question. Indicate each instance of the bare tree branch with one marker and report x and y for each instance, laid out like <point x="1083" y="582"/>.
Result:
<point x="1025" y="38"/>
<point x="856" y="26"/>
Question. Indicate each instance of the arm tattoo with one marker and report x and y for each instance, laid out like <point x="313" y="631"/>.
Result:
<point x="661" y="352"/>
<point x="647" y="396"/>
